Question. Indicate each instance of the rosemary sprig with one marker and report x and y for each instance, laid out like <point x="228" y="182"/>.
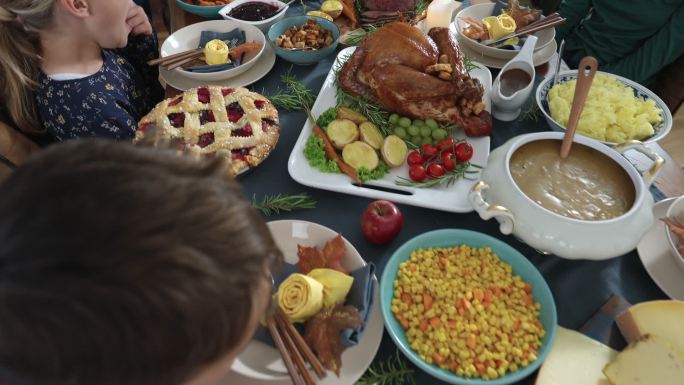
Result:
<point x="468" y="62"/>
<point x="361" y="104"/>
<point x="461" y="171"/>
<point x="394" y="371"/>
<point x="421" y="6"/>
<point x="532" y="113"/>
<point x="274" y="204"/>
<point x="355" y="37"/>
<point x="296" y="95"/>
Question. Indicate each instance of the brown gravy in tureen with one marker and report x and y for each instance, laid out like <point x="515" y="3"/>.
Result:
<point x="588" y="185"/>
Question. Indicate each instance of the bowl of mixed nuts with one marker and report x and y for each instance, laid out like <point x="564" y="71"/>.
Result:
<point x="303" y="39"/>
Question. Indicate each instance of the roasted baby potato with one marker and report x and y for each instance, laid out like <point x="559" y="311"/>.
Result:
<point x="370" y="134"/>
<point x="348" y="113"/>
<point x="360" y="154"/>
<point x="394" y="151"/>
<point x="332" y="8"/>
<point x="342" y="132"/>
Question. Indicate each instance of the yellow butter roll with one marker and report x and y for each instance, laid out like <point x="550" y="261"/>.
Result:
<point x="216" y="52"/>
<point x="499" y="26"/>
<point x="300" y="297"/>
<point x="336" y="285"/>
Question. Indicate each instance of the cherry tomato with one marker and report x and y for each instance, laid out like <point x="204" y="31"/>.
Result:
<point x="414" y="158"/>
<point x="417" y="173"/>
<point x="448" y="161"/>
<point x="445" y="143"/>
<point x="428" y="150"/>
<point x="435" y="170"/>
<point x="463" y="152"/>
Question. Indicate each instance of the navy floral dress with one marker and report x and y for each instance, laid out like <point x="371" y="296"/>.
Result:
<point x="108" y="103"/>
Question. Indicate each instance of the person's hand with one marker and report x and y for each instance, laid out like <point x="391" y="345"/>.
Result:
<point x="137" y="21"/>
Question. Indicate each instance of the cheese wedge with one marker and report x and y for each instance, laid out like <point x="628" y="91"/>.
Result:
<point x="660" y="318"/>
<point x="651" y="360"/>
<point x="575" y="359"/>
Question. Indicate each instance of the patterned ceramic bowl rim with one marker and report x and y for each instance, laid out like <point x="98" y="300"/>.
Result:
<point x="661" y="129"/>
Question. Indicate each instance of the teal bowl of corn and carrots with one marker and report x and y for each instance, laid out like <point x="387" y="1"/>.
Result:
<point x="208" y="9"/>
<point x="435" y="264"/>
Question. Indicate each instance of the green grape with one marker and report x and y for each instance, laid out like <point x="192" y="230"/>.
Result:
<point x="400" y="132"/>
<point x="439" y="134"/>
<point x="393" y="118"/>
<point x="418" y="123"/>
<point x="425" y="131"/>
<point x="426" y="140"/>
<point x="417" y="140"/>
<point x="404" y="122"/>
<point x="431" y="123"/>
<point x="413" y="130"/>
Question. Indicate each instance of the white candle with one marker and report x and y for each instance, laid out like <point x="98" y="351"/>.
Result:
<point x="440" y="13"/>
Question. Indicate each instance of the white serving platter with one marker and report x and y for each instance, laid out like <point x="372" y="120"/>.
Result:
<point x="453" y="198"/>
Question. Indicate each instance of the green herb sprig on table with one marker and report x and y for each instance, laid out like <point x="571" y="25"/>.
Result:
<point x="274" y="204"/>
<point x="461" y="171"/>
<point x="296" y="95"/>
<point x="394" y="371"/>
<point x="532" y="113"/>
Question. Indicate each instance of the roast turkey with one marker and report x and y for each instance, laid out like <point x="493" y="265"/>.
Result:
<point x="392" y="66"/>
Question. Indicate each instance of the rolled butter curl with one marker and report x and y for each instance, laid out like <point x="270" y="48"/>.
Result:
<point x="336" y="285"/>
<point x="300" y="297"/>
<point x="499" y="26"/>
<point x="216" y="52"/>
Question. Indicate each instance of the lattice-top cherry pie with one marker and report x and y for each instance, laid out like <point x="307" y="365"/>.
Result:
<point x="218" y="120"/>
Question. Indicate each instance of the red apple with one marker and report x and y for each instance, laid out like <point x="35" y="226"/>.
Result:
<point x="381" y="222"/>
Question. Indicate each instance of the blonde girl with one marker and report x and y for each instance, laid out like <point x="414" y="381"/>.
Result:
<point x="76" y="68"/>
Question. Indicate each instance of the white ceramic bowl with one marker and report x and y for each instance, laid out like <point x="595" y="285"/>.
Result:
<point x="188" y="38"/>
<point x="498" y="196"/>
<point x="263" y="25"/>
<point x="676" y="212"/>
<point x="478" y="12"/>
<point x="661" y="129"/>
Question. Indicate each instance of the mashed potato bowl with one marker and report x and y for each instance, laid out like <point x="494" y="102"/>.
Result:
<point x="617" y="109"/>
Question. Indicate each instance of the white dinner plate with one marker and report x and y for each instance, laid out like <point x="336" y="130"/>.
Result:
<point x="539" y="57"/>
<point x="256" y="72"/>
<point x="260" y="364"/>
<point x="657" y="257"/>
<point x="452" y="198"/>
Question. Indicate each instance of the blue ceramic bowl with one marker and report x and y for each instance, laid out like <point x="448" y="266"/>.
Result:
<point x="521" y="266"/>
<point x="208" y="11"/>
<point x="302" y="57"/>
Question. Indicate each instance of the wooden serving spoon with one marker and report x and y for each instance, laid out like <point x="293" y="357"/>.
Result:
<point x="585" y="75"/>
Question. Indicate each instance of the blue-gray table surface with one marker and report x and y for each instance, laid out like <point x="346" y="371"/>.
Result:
<point x="579" y="287"/>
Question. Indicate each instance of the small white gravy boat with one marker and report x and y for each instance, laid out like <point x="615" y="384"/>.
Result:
<point x="506" y="105"/>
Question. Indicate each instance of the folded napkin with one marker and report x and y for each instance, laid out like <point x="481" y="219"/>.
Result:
<point x="233" y="38"/>
<point x="360" y="296"/>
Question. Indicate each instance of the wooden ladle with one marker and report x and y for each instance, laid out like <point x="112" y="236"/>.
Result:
<point x="585" y="75"/>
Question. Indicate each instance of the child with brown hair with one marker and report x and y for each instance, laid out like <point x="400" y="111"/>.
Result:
<point x="77" y="68"/>
<point x="127" y="266"/>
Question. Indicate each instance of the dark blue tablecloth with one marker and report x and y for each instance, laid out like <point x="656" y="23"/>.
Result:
<point x="579" y="287"/>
